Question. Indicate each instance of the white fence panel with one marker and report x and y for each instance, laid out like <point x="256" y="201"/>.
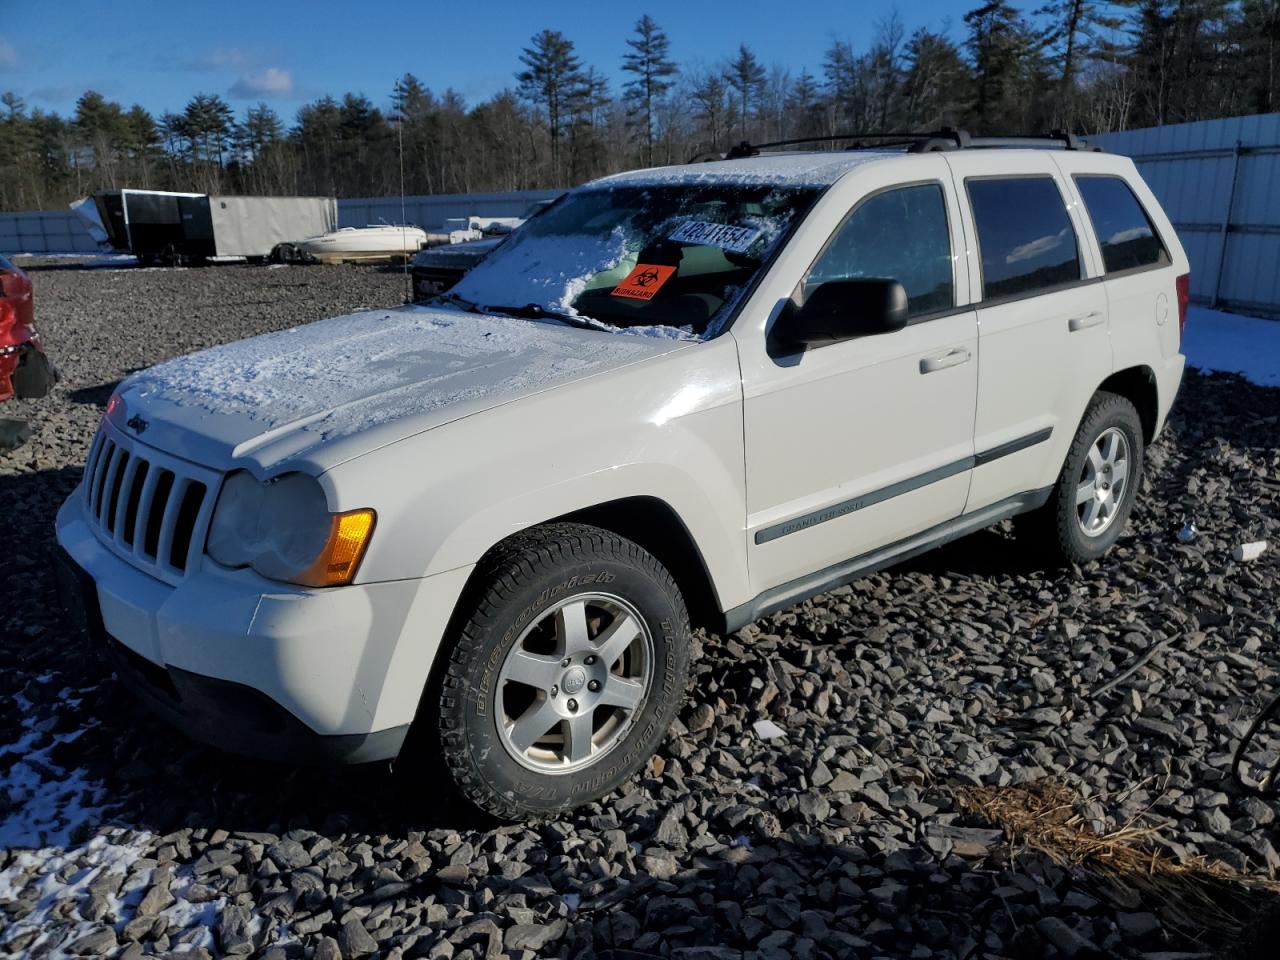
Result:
<point x="44" y="231"/>
<point x="1219" y="182"/>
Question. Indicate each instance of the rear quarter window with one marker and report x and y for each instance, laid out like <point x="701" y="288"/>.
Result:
<point x="1025" y="237"/>
<point x="1125" y="233"/>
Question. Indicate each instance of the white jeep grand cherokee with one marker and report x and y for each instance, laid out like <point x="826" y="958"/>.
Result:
<point x="699" y="393"/>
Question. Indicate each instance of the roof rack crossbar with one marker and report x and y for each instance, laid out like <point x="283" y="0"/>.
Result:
<point x="748" y="149"/>
<point x="946" y="138"/>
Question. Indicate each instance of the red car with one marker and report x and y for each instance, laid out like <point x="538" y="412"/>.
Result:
<point x="25" y="371"/>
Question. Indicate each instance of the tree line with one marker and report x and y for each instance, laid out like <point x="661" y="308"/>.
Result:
<point x="1086" y="65"/>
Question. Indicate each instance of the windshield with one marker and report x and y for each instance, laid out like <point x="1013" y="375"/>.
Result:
<point x="669" y="260"/>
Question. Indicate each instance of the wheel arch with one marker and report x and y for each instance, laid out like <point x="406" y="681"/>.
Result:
<point x="654" y="525"/>
<point x="1138" y="386"/>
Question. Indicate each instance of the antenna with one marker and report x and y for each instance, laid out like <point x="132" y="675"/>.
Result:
<point x="404" y="230"/>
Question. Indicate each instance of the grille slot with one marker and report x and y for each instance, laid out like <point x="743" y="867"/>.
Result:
<point x="133" y="500"/>
<point x="151" y="508"/>
<point x="188" y="509"/>
<point x="112" y="496"/>
<point x="164" y="486"/>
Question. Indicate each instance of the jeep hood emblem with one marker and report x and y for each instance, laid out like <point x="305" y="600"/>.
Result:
<point x="136" y="424"/>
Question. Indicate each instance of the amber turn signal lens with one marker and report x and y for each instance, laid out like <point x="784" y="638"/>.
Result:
<point x="338" y="561"/>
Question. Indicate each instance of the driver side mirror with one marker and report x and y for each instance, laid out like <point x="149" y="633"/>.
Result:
<point x="845" y="309"/>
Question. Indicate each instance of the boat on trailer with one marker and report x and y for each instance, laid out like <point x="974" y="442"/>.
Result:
<point x="374" y="242"/>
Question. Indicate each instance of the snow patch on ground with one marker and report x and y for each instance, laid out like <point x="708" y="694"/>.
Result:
<point x="1232" y="343"/>
<point x="64" y="850"/>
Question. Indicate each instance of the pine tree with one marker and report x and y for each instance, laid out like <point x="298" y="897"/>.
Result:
<point x="1260" y="41"/>
<point x="653" y="68"/>
<point x="804" y="104"/>
<point x="745" y="77"/>
<point x="1003" y="55"/>
<point x="935" y="85"/>
<point x="551" y="76"/>
<point x="1077" y="31"/>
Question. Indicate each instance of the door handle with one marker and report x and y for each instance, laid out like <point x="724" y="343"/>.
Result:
<point x="952" y="358"/>
<point x="1084" y="323"/>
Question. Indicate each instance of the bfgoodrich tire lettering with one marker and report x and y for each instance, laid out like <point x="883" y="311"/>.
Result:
<point x="517" y="584"/>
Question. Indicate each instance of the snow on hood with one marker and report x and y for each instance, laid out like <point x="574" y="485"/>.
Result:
<point x="286" y="393"/>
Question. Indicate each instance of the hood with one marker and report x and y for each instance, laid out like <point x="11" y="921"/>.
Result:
<point x="457" y="254"/>
<point x="331" y="390"/>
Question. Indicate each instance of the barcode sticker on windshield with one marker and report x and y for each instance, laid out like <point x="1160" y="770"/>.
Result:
<point x="722" y="235"/>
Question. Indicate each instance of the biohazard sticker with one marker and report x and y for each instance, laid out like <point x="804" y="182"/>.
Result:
<point x="722" y="235"/>
<point x="644" y="281"/>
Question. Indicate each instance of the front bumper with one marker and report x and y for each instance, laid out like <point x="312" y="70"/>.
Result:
<point x="258" y="667"/>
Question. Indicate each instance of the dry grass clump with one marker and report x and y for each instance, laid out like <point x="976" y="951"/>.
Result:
<point x="1197" y="897"/>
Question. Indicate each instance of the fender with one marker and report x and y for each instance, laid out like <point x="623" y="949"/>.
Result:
<point x="670" y="430"/>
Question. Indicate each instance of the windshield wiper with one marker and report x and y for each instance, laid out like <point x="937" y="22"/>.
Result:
<point x="533" y="311"/>
<point x="462" y="302"/>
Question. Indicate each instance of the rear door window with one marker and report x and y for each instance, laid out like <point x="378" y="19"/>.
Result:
<point x="1025" y="237"/>
<point x="1125" y="232"/>
<point x="900" y="234"/>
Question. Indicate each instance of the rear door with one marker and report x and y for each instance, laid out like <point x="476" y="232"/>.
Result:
<point x="1141" y="295"/>
<point x="1043" y="344"/>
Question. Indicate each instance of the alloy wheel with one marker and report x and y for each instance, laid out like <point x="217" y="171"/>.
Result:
<point x="573" y="683"/>
<point x="1103" y="482"/>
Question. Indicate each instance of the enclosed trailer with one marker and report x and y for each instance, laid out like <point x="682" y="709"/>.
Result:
<point x="173" y="228"/>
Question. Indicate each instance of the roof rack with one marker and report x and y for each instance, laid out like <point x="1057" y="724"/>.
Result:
<point x="950" y="138"/>
<point x="947" y="138"/>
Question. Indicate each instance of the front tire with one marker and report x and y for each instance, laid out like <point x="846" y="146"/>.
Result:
<point x="565" y="677"/>
<point x="1096" y="490"/>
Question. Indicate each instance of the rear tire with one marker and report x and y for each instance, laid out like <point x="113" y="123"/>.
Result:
<point x="1095" y="492"/>
<point x="565" y="677"/>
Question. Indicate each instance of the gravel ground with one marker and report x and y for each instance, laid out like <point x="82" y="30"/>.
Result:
<point x="833" y="830"/>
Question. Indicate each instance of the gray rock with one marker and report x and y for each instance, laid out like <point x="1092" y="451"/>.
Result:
<point x="288" y="855"/>
<point x="532" y="936"/>
<point x="233" y="930"/>
<point x="1137" y="926"/>
<point x="96" y="942"/>
<point x="355" y="941"/>
<point x="157" y="897"/>
<point x="1067" y="940"/>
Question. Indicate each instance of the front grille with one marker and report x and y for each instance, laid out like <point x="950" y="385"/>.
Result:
<point x="151" y="508"/>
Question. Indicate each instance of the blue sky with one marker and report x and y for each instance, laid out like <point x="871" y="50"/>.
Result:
<point x="160" y="53"/>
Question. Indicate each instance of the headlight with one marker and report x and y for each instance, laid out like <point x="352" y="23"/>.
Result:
<point x="283" y="529"/>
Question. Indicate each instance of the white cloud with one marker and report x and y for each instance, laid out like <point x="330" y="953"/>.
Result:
<point x="271" y="82"/>
<point x="1035" y="248"/>
<point x="8" y="56"/>
<point x="1133" y="233"/>
<point x="231" y="58"/>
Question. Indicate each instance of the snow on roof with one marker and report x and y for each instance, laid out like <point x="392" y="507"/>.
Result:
<point x="793" y="168"/>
